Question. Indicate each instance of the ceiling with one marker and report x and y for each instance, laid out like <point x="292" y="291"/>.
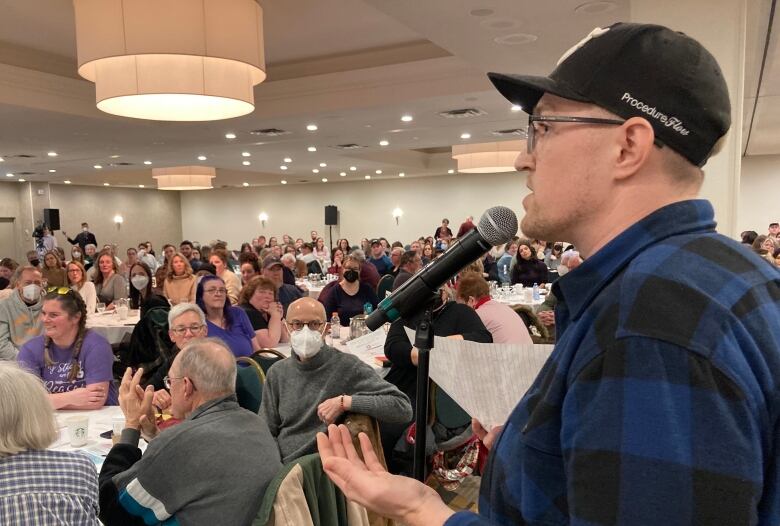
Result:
<point x="352" y="67"/>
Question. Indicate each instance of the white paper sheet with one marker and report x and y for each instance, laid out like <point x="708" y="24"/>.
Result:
<point x="368" y="346"/>
<point x="486" y="379"/>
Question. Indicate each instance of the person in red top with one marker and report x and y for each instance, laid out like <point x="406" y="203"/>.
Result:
<point x="466" y="226"/>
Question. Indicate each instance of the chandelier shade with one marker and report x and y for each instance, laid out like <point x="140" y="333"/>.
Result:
<point x="184" y="177"/>
<point x="491" y="157"/>
<point x="171" y="60"/>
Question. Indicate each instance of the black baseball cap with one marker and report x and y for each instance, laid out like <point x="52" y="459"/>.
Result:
<point x="639" y="70"/>
<point x="271" y="261"/>
<point x="375" y="242"/>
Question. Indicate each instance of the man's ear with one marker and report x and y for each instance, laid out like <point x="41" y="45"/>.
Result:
<point x="635" y="143"/>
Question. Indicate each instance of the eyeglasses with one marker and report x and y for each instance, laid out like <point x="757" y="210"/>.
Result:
<point x="532" y="130"/>
<point x="313" y="324"/>
<point x="181" y="331"/>
<point x="215" y="291"/>
<point x="167" y="381"/>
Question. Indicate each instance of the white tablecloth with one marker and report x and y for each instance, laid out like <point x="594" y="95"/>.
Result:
<point x="111" y="327"/>
<point x="96" y="447"/>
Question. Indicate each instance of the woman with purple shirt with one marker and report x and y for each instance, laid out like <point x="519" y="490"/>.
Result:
<point x="229" y="324"/>
<point x="74" y="363"/>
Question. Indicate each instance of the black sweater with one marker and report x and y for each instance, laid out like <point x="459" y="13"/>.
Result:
<point x="454" y="318"/>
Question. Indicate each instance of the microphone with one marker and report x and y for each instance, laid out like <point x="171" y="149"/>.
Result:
<point x="496" y="226"/>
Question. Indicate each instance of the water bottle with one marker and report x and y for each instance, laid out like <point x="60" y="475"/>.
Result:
<point x="367" y="308"/>
<point x="536" y="296"/>
<point x="335" y="327"/>
<point x="505" y="275"/>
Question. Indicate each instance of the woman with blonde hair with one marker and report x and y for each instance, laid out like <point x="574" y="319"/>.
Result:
<point x="53" y="272"/>
<point x="40" y="486"/>
<point x="77" y="280"/>
<point x="109" y="284"/>
<point x="219" y="258"/>
<point x="74" y="362"/>
<point x="180" y="284"/>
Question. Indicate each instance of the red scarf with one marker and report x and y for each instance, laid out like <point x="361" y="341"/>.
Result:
<point x="481" y="301"/>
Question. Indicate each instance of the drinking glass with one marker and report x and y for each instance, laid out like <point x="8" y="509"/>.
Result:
<point x="101" y="308"/>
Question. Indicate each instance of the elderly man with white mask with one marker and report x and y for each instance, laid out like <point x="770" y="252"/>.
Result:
<point x="318" y="384"/>
<point x="20" y="313"/>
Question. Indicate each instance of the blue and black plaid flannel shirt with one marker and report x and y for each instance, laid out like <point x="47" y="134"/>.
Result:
<point x="661" y="402"/>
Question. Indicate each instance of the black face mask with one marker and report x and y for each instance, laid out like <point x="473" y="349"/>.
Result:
<point x="35" y="262"/>
<point x="351" y="275"/>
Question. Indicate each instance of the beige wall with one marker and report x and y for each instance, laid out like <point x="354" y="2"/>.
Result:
<point x="364" y="207"/>
<point x="12" y="198"/>
<point x="148" y="214"/>
<point x="759" y="197"/>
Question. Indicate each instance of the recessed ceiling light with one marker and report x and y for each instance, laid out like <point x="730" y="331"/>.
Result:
<point x="312" y="148"/>
<point x="323" y="165"/>
<point x="311" y="127"/>
<point x="141" y="186"/>
<point x="287" y="160"/>
<point x="352" y="168"/>
<point x="246" y="154"/>
<point x="106" y="184"/>
<point x="465" y="135"/>
<point x="324" y="179"/>
<point x="284" y="182"/>
<point x="368" y="177"/>
<point x="316" y="170"/>
<point x="147" y="162"/>
<point x="516" y="107"/>
<point x="202" y="157"/>
<point x="383" y="142"/>
<point x="450" y="171"/>
<point x="114" y="156"/>
<point x="401" y="174"/>
<point x="591" y="8"/>
<point x="283" y="167"/>
<point x="515" y="39"/>
<point x="2" y="160"/>
<point x="9" y="174"/>
<point x="52" y="154"/>
<point x="66" y="181"/>
<point x="407" y="118"/>
<point x="98" y="167"/>
<point x="22" y="180"/>
<point x="481" y="12"/>
<point x="343" y="174"/>
<point x="52" y="171"/>
<point x="378" y="172"/>
<point x="245" y="184"/>
<point x="246" y="163"/>
<point x="230" y="136"/>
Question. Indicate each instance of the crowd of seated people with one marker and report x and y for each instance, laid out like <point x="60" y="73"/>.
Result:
<point x="222" y="305"/>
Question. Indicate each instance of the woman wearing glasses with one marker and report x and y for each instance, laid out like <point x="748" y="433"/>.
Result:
<point x="349" y="297"/>
<point x="74" y="363"/>
<point x="77" y="280"/>
<point x="229" y="324"/>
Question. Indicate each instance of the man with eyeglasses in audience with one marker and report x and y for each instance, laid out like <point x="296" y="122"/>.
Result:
<point x="20" y="313"/>
<point x="659" y="405"/>
<point x="318" y="384"/>
<point x="197" y="472"/>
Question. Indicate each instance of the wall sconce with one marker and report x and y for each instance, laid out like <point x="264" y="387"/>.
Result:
<point x="397" y="213"/>
<point x="118" y="220"/>
<point x="263" y="217"/>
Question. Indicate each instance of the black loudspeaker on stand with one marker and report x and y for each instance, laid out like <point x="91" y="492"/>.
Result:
<point x="331" y="218"/>
<point x="51" y="216"/>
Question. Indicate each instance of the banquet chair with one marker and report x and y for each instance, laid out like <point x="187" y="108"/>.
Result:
<point x="249" y="384"/>
<point x="265" y="358"/>
<point x="384" y="286"/>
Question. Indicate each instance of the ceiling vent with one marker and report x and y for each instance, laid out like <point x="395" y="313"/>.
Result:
<point x="20" y="156"/>
<point x="25" y="173"/>
<point x="349" y="146"/>
<point x="464" y="113"/>
<point x="270" y="132"/>
<point x="121" y="164"/>
<point x="511" y="132"/>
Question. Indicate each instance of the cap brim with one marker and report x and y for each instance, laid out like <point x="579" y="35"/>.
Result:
<point x="526" y="90"/>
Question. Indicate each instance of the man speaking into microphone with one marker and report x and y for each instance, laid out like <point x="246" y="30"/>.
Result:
<point x="661" y="401"/>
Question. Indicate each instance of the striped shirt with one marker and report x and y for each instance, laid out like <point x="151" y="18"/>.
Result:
<point x="661" y="401"/>
<point x="44" y="488"/>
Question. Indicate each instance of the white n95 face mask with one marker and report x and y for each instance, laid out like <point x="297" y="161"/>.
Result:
<point x="31" y="292"/>
<point x="306" y="342"/>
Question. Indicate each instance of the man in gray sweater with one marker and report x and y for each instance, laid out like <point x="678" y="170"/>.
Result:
<point x="318" y="384"/>
<point x="212" y="468"/>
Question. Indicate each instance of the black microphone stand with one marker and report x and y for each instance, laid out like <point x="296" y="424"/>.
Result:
<point x="423" y="341"/>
